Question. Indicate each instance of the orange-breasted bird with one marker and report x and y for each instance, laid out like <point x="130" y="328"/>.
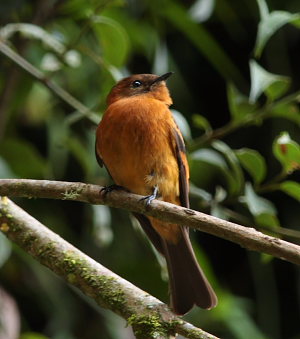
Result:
<point x="143" y="150"/>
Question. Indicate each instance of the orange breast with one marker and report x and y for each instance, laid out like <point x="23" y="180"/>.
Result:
<point x="134" y="140"/>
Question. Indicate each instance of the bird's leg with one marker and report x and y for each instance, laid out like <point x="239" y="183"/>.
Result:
<point x="110" y="188"/>
<point x="151" y="197"/>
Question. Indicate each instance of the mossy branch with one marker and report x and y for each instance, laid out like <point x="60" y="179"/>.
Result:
<point x="149" y="317"/>
<point x="245" y="236"/>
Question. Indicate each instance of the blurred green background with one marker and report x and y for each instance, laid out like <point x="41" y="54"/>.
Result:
<point x="236" y="98"/>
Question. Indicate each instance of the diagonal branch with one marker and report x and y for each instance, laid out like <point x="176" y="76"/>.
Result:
<point x="149" y="317"/>
<point x="245" y="236"/>
<point x="39" y="75"/>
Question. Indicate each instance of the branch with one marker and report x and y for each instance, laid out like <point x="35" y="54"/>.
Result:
<point x="248" y="120"/>
<point x="149" y="317"/>
<point x="245" y="236"/>
<point x="39" y="75"/>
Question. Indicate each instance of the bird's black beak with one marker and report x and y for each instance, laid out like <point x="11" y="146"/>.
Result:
<point x="162" y="77"/>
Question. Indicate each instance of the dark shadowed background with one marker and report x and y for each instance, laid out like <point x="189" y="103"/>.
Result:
<point x="236" y="95"/>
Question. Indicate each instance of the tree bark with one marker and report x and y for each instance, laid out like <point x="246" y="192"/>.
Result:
<point x="247" y="237"/>
<point x="149" y="317"/>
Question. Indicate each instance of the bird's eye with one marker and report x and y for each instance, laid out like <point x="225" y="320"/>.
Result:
<point x="136" y="84"/>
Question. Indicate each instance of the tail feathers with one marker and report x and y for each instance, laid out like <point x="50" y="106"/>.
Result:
<point x="188" y="284"/>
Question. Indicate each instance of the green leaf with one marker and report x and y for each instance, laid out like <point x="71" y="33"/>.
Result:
<point x="253" y="162"/>
<point x="79" y="151"/>
<point x="113" y="39"/>
<point x="256" y="204"/>
<point x="263" y="8"/>
<point x="5" y="249"/>
<point x="267" y="220"/>
<point x="272" y="85"/>
<point x="201" y="122"/>
<point x="58" y="132"/>
<point x="199" y="193"/>
<point x="33" y="335"/>
<point x="239" y="105"/>
<point x="39" y="104"/>
<point x="102" y="231"/>
<point x="202" y="10"/>
<point x="291" y="188"/>
<point x="289" y="111"/>
<point x="23" y="158"/>
<point x="201" y="38"/>
<point x="270" y="23"/>
<point x="234" y="311"/>
<point x="5" y="171"/>
<point x="296" y="22"/>
<point x="287" y="152"/>
<point x="218" y="211"/>
<point x="182" y="124"/>
<point x="235" y="174"/>
<point x="206" y="165"/>
<point x="209" y="156"/>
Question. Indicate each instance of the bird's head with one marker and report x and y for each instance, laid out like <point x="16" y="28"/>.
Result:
<point x="149" y="85"/>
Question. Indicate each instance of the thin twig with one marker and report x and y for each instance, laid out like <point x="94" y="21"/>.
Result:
<point x="247" y="237"/>
<point x="149" y="317"/>
<point x="37" y="74"/>
<point x="250" y="119"/>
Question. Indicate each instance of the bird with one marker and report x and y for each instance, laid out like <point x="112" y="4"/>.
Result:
<point x="142" y="148"/>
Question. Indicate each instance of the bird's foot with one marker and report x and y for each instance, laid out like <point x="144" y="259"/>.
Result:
<point x="149" y="198"/>
<point x="110" y="188"/>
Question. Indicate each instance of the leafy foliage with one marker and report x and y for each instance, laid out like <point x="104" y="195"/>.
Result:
<point x="239" y="115"/>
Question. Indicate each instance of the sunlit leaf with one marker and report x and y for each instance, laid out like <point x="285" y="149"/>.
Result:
<point x="220" y="194"/>
<point x="161" y="59"/>
<point x="72" y="58"/>
<point x="256" y="204"/>
<point x="263" y="8"/>
<point x="182" y="124"/>
<point x="253" y="162"/>
<point x="102" y="232"/>
<point x="50" y="63"/>
<point x="5" y="171"/>
<point x="202" y="10"/>
<point x="287" y="152"/>
<point x="209" y="156"/>
<point x="291" y="188"/>
<point x="218" y="211"/>
<point x="270" y="23"/>
<point x="262" y="81"/>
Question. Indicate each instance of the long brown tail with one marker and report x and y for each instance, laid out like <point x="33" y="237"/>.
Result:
<point x="188" y="284"/>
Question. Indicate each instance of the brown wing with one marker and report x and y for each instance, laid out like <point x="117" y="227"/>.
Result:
<point x="99" y="160"/>
<point x="180" y="154"/>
